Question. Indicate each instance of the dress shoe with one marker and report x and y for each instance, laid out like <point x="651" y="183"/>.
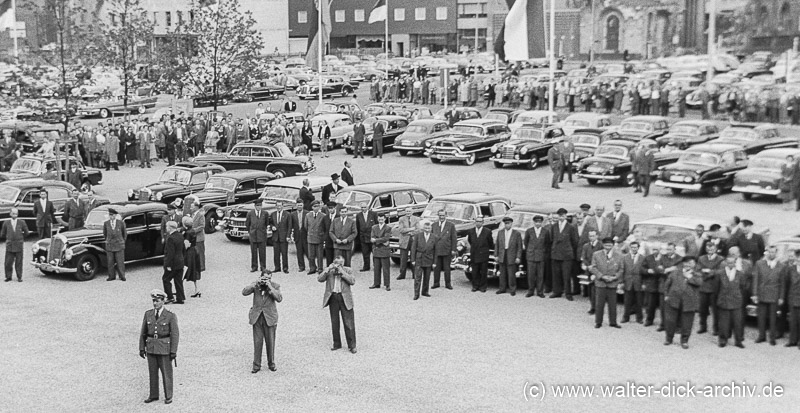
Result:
<point x="474" y="289"/>
<point x="625" y="320"/>
<point x="483" y="290"/>
<point x="702" y="330"/>
<point x="772" y="342"/>
<point x="790" y="344"/>
<point x="648" y="324"/>
<point x="639" y="321"/>
<point x="426" y="295"/>
<point x="715" y="333"/>
<point x="167" y="401"/>
<point x="178" y="302"/>
<point x="372" y="287"/>
<point x="435" y="286"/>
<point x="722" y="344"/>
<point x="8" y="279"/>
<point x="110" y="279"/>
<point x="540" y="295"/>
<point x="739" y="344"/>
<point x="354" y="350"/>
<point x="276" y="270"/>
<point x="668" y="343"/>
<point x="449" y="287"/>
<point x="660" y="329"/>
<point x="364" y="269"/>
<point x="400" y="277"/>
<point x="555" y="295"/>
<point x="598" y="325"/>
<point x="197" y="295"/>
<point x="569" y="298"/>
<point x="760" y="340"/>
<point x="500" y="292"/>
<point x="302" y="269"/>
<point x="122" y="279"/>
<point x="150" y="399"/>
<point x="528" y="295"/>
<point x="685" y="346"/>
<point x="513" y="293"/>
<point x="285" y="270"/>
<point x="253" y="270"/>
<point x="20" y="280"/>
<point x="312" y="272"/>
<point x="591" y="311"/>
<point x="334" y="348"/>
<point x="615" y="325"/>
<point x="416" y="297"/>
<point x="272" y="367"/>
<point x="254" y="371"/>
<point x="388" y="289"/>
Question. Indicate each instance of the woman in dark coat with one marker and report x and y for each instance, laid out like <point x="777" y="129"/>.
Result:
<point x="131" y="147"/>
<point x="192" y="257"/>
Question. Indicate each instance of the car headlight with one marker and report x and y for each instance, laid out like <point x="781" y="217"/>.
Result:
<point x="461" y="246"/>
<point x="523" y="151"/>
<point x="130" y="193"/>
<point x="428" y="144"/>
<point x="159" y="195"/>
<point x="461" y="147"/>
<point x="68" y="254"/>
<point x="220" y="213"/>
<point x="494" y="148"/>
<point x="687" y="179"/>
<point x="769" y="187"/>
<point x="35" y="247"/>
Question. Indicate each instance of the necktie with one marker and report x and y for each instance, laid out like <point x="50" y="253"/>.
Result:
<point x="300" y="218"/>
<point x="279" y="217"/>
<point x="112" y="225"/>
<point x="157" y="314"/>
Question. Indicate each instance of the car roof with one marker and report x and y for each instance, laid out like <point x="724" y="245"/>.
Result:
<point x="43" y="158"/>
<point x="538" y="207"/>
<point x="471" y="197"/>
<point x="375" y="188"/>
<point x="778" y="153"/>
<point x="297" y="181"/>
<point x="196" y="166"/>
<point x="427" y="122"/>
<point x="619" y="142"/>
<point x="503" y="110"/>
<point x="714" y="148"/>
<point x="330" y="116"/>
<point x="681" y="222"/>
<point x="589" y="131"/>
<point x="695" y="123"/>
<point x="754" y="126"/>
<point x="587" y="115"/>
<point x="36" y="183"/>
<point x="645" y="118"/>
<point x="538" y="113"/>
<point x="241" y="174"/>
<point x="388" y="117"/>
<point x="126" y="208"/>
<point x="480" y="122"/>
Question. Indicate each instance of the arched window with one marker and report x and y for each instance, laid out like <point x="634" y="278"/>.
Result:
<point x="612" y="33"/>
<point x="785" y="17"/>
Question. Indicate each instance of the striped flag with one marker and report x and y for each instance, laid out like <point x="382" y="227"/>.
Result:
<point x="525" y="25"/>
<point x="318" y="35"/>
<point x="6" y="15"/>
<point x="379" y="11"/>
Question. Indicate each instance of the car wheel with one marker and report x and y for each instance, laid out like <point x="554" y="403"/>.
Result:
<point x="211" y="222"/>
<point x="592" y="181"/>
<point x="86" y="186"/>
<point x="280" y="173"/>
<point x="714" y="191"/>
<point x="346" y="91"/>
<point x="498" y="165"/>
<point x="747" y="196"/>
<point x="402" y="152"/>
<point x="470" y="160"/>
<point x="349" y="150"/>
<point x="141" y="110"/>
<point x="629" y="179"/>
<point x="249" y="98"/>
<point x="396" y="260"/>
<point x="87" y="266"/>
<point x="534" y="163"/>
<point x="104" y="113"/>
<point x="434" y="160"/>
<point x="676" y="191"/>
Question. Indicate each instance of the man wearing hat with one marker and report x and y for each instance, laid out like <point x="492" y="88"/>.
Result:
<point x="537" y="241"/>
<point x="481" y="245"/>
<point x="751" y="245"/>
<point x="316" y="235"/>
<point x="343" y="232"/>
<point x="509" y="255"/>
<point x="264" y="317"/>
<point x="115" y="234"/>
<point x="173" y="263"/>
<point x="331" y="189"/>
<point x="379" y="238"/>
<point x="256" y="223"/>
<point x="606" y="270"/>
<point x="358" y="138"/>
<point x="172" y="215"/>
<point x="555" y="157"/>
<point x="158" y="342"/>
<point x="680" y="300"/>
<point x="563" y="250"/>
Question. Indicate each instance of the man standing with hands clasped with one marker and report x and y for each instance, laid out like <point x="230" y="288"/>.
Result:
<point x="115" y="234"/>
<point x="14" y="232"/>
<point x="264" y="317"/>
<point x="379" y="238"/>
<point x="158" y="342"/>
<point x="444" y="232"/>
<point x="342" y="233"/>
<point x="423" y="247"/>
<point x="606" y="270"/>
<point x="256" y="223"/>
<point x="282" y="223"/>
<point x="339" y="299"/>
<point x="480" y="246"/>
<point x="681" y="301"/>
<point x="509" y="256"/>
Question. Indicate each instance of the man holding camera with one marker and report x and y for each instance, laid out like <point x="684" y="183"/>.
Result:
<point x="158" y="343"/>
<point x="264" y="317"/>
<point x="339" y="300"/>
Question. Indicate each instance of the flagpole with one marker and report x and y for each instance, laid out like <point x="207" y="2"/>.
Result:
<point x="551" y="101"/>
<point x="321" y="38"/>
<point x="386" y="39"/>
<point x="16" y="35"/>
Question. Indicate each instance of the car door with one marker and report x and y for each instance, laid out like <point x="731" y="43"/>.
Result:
<point x="58" y="196"/>
<point x="198" y="181"/>
<point x="402" y="199"/>
<point x="497" y="210"/>
<point x="154" y="246"/>
<point x="245" y="191"/>
<point x="25" y="201"/>
<point x="237" y="158"/>
<point x="136" y="244"/>
<point x="261" y="183"/>
<point x="421" y="200"/>
<point x="260" y="157"/>
<point x="728" y="167"/>
<point x="383" y="204"/>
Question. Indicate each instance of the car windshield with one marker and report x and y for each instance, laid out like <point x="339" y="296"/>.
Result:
<point x="352" y="199"/>
<point x="523" y="220"/>
<point x="467" y="129"/>
<point x="684" y="130"/>
<point x="280" y="193"/>
<point x="220" y="183"/>
<point x="662" y="233"/>
<point x="455" y="210"/>
<point x="739" y="134"/>
<point x="589" y="140"/>
<point x="637" y="126"/>
<point x="8" y="194"/>
<point x="531" y="119"/>
<point x="528" y="134"/>
<point x="25" y="165"/>
<point x="577" y="123"/>
<point x="700" y="158"/>
<point x="283" y="150"/>
<point x="502" y="117"/>
<point x="613" y="151"/>
<point x="96" y="219"/>
<point x="417" y="129"/>
<point x="180" y="176"/>
<point x="766" y="163"/>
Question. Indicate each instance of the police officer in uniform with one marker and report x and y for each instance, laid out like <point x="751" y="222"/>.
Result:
<point x="158" y="342"/>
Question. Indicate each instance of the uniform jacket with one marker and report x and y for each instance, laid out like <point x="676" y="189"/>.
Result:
<point x="480" y="244"/>
<point x="407" y="227"/>
<point x="264" y="303"/>
<point x="159" y="336"/>
<point x="602" y="265"/>
<point x="730" y="294"/>
<point x="680" y="291"/>
<point x="422" y="253"/>
<point x="564" y="242"/>
<point x="257" y="225"/>
<point x="329" y="277"/>
<point x="173" y="251"/>
<point x="46" y="216"/>
<point x="717" y="267"/>
<point x="345" y="231"/>
<point x="793" y="286"/>
<point x="768" y="283"/>
<point x="14" y="235"/>
<point x="284" y="226"/>
<point x="632" y="272"/>
<point x="115" y="237"/>
<point x="316" y="228"/>
<point x="513" y="251"/>
<point x="620" y="227"/>
<point x="536" y="247"/>
<point x="446" y="240"/>
<point x="380" y="247"/>
<point x="364" y="226"/>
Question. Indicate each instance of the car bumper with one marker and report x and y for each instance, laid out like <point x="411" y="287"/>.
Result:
<point x="753" y="189"/>
<point x="236" y="233"/>
<point x="47" y="267"/>
<point x="449" y="156"/>
<point x="409" y="148"/>
<point x="511" y="161"/>
<point x="666" y="184"/>
<point x="600" y="177"/>
<point x="89" y="112"/>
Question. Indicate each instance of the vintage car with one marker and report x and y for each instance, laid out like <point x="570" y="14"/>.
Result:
<point x="585" y="120"/>
<point x="227" y="189"/>
<point x="261" y="90"/>
<point x="340" y="124"/>
<point x="23" y="193"/>
<point x="586" y="142"/>
<point x="286" y="190"/>
<point x="105" y="108"/>
<point x="341" y="108"/>
<point x="30" y="135"/>
<point x="687" y="133"/>
<point x="535" y="117"/>
<point x="34" y="166"/>
<point x="507" y="115"/>
<point x="528" y="146"/>
<point x="755" y="137"/>
<point x="393" y="127"/>
<point x="261" y="155"/>
<point x="384" y="198"/>
<point x="407" y="111"/>
<point x="81" y="252"/>
<point x="176" y="181"/>
<point x="462" y="113"/>
<point x="709" y="167"/>
<point x="787" y="247"/>
<point x="636" y="128"/>
<point x="612" y="161"/>
<point x="412" y="140"/>
<point x="331" y="86"/>
<point x="654" y="234"/>
<point x="763" y="173"/>
<point x="206" y="98"/>
<point x="382" y="108"/>
<point x="468" y="141"/>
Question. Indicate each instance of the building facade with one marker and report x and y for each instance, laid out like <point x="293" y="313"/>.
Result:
<point x="772" y="24"/>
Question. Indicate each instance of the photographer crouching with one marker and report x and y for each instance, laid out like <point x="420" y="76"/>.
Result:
<point x="264" y="317"/>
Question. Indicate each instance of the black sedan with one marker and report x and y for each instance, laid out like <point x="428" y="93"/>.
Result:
<point x="469" y="141"/>
<point x="612" y="162"/>
<point x="688" y="133"/>
<point x="754" y="137"/>
<point x="709" y="168"/>
<point x="275" y="158"/>
<point x="331" y="86"/>
<point x="35" y="166"/>
<point x="763" y="173"/>
<point x="23" y="193"/>
<point x="393" y="126"/>
<point x="263" y="90"/>
<point x="176" y="181"/>
<point x="528" y="146"/>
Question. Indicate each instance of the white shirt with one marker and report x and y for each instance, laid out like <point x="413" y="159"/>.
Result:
<point x="427" y="235"/>
<point x="739" y="264"/>
<point x="337" y="283"/>
<point x="772" y="263"/>
<point x="561" y="225"/>
<point x="44" y="204"/>
<point x="731" y="273"/>
<point x="507" y="237"/>
<point x="599" y="224"/>
<point x="537" y="231"/>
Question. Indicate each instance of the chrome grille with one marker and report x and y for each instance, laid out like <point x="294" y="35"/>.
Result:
<point x="237" y="223"/>
<point x="57" y="245"/>
<point x="508" y="152"/>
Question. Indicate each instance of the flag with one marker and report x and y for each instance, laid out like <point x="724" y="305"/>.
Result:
<point x="525" y="25"/>
<point x="318" y="35"/>
<point x="379" y="11"/>
<point x="6" y="15"/>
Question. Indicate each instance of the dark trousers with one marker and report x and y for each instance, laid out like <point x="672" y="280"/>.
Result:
<point x="301" y="245"/>
<point x="13" y="262"/>
<point x="381" y="265"/>
<point x="768" y="311"/>
<point x="566" y="169"/>
<point x="174" y="276"/>
<point x="280" y="254"/>
<point x="337" y="309"/>
<point x="730" y="318"/>
<point x="116" y="264"/>
<point x="507" y="273"/>
<point x="346" y="254"/>
<point x="671" y="323"/>
<point x="156" y="363"/>
<point x="422" y="277"/>
<point x="794" y="324"/>
<point x="708" y="305"/>
<point x="404" y="262"/>
<point x="329" y="255"/>
<point x="654" y="301"/>
<point x="558" y="171"/>
<point x="561" y="276"/>
<point x="45" y="232"/>
<point x="592" y="296"/>
<point x="643" y="183"/>
<point x="480" y="272"/>
<point x="633" y="304"/>
<point x="535" y="277"/>
<point x="366" y="252"/>
<point x="258" y="255"/>
<point x="170" y="152"/>
<point x="442" y="264"/>
<point x="605" y="295"/>
<point x="358" y="148"/>
<point x="571" y="103"/>
<point x="315" y="254"/>
<point x="261" y="333"/>
<point x="377" y="148"/>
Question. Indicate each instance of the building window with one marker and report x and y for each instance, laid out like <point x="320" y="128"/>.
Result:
<point x="179" y="15"/>
<point x="302" y="17"/>
<point x="358" y="15"/>
<point x="612" y="33"/>
<point x="155" y="18"/>
<point x="338" y="16"/>
<point x="419" y="13"/>
<point x="467" y="39"/>
<point x="399" y="15"/>
<point x="441" y="13"/>
<point x="168" y="17"/>
<point x="786" y="19"/>
<point x="113" y="18"/>
<point x="471" y="10"/>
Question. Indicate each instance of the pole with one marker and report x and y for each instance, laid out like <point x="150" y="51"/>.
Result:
<point x="386" y="40"/>
<point x="320" y="31"/>
<point x="591" y="39"/>
<point x="712" y="38"/>
<point x="476" y="32"/>
<point x="16" y="35"/>
<point x="551" y="101"/>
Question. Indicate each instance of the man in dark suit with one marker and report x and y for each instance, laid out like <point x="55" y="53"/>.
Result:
<point x="316" y="235"/>
<point x="358" y="139"/>
<point x="74" y="212"/>
<point x="173" y="264"/>
<point x="632" y="283"/>
<point x="587" y="252"/>
<point x="306" y="195"/>
<point x="342" y="233"/>
<point x="607" y="270"/>
<point x="564" y="239"/>
<point x="713" y="237"/>
<point x="481" y="245"/>
<point x="327" y="223"/>
<point x="158" y="342"/>
<point x="377" y="140"/>
<point x="14" y="232"/>
<point x="750" y="245"/>
<point x="537" y="242"/>
<point x="445" y="233"/>
<point x="264" y="317"/>
<point x="282" y="223"/>
<point x="710" y="267"/>
<point x="170" y="142"/>
<point x="347" y="174"/>
<point x="300" y="234"/>
<point x="509" y="255"/>
<point x="793" y="299"/>
<point x="423" y="251"/>
<point x="555" y="158"/>
<point x="256" y="223"/>
<point x="680" y="300"/>
<point x="768" y="293"/>
<point x="408" y="226"/>
<point x="653" y="277"/>
<point x="379" y="238"/>
<point x="338" y="298"/>
<point x="365" y="220"/>
<point x="731" y="290"/>
<point x="172" y="215"/>
<point x="115" y="234"/>
<point x="331" y="189"/>
<point x="643" y="162"/>
<point x="45" y="214"/>
<point x="620" y="223"/>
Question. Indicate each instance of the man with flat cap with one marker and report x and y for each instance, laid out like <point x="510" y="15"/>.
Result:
<point x="331" y="189"/>
<point x="264" y="317"/>
<point x="481" y="245"/>
<point x="606" y="270"/>
<point x="158" y="342"/>
<point x="509" y="255"/>
<point x="563" y="250"/>
<point x="536" y="244"/>
<point x="115" y="234"/>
